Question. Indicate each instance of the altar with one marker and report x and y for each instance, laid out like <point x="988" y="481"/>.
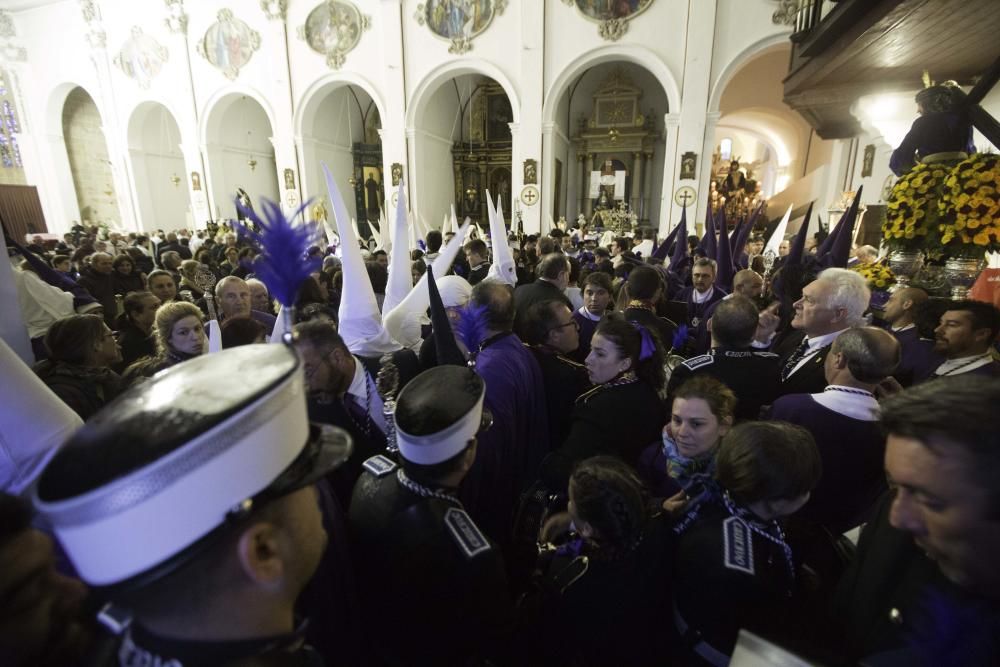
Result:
<point x="615" y="153"/>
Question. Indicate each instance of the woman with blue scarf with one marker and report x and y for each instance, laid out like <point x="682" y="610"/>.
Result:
<point x="679" y="468"/>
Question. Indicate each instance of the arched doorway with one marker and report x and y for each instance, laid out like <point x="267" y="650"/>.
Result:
<point x="774" y="146"/>
<point x="340" y="126"/>
<point x="608" y="150"/>
<point x="89" y="160"/>
<point x="463" y="147"/>
<point x="240" y="155"/>
<point x="158" y="168"/>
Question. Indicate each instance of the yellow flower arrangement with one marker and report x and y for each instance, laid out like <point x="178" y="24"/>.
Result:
<point x="878" y="275"/>
<point x="911" y="219"/>
<point x="969" y="209"/>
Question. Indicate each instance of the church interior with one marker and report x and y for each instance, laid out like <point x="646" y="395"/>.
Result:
<point x="489" y="332"/>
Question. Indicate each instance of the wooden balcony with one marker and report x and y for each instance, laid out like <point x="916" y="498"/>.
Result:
<point x="844" y="50"/>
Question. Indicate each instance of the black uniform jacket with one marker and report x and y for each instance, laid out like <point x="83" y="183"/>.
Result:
<point x="617" y="420"/>
<point x="432" y="586"/>
<point x="751" y="374"/>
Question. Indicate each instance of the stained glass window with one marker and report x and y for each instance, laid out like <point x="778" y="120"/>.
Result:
<point x="10" y="152"/>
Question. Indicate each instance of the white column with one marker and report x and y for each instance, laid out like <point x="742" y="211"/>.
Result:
<point x="397" y="140"/>
<point x="527" y="143"/>
<point x="282" y="134"/>
<point x="547" y="183"/>
<point x="670" y="213"/>
<point x="700" y="37"/>
<point x="705" y="161"/>
<point x="638" y="184"/>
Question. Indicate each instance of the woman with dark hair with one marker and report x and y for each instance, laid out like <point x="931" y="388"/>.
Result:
<point x="81" y="351"/>
<point x="135" y="327"/>
<point x="126" y="277"/>
<point x="626" y="366"/>
<point x="600" y="590"/>
<point x="180" y="335"/>
<point x="733" y="567"/>
<point x="679" y="468"/>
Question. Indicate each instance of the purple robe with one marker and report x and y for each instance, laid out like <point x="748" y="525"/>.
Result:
<point x="852" y="451"/>
<point x="511" y="451"/>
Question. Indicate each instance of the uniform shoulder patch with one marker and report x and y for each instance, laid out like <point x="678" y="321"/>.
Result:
<point x="379" y="465"/>
<point x="465" y="533"/>
<point x="765" y="355"/>
<point x="694" y="363"/>
<point x="737" y="549"/>
<point x="569" y="362"/>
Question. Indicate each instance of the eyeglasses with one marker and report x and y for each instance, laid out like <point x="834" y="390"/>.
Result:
<point x="571" y="323"/>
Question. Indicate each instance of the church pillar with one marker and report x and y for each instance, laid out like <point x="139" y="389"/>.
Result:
<point x="484" y="215"/>
<point x="186" y="109"/>
<point x="527" y="142"/>
<point x="693" y="137"/>
<point x="647" y="187"/>
<point x="638" y="186"/>
<point x="548" y="182"/>
<point x="282" y="135"/>
<point x="588" y="166"/>
<point x="669" y="216"/>
<point x="397" y="141"/>
<point x="516" y="180"/>
<point x="111" y="126"/>
<point x="705" y="161"/>
<point x="581" y="159"/>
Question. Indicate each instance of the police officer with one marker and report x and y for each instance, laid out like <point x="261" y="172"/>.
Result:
<point x="190" y="502"/>
<point x="432" y="584"/>
<point x="753" y="375"/>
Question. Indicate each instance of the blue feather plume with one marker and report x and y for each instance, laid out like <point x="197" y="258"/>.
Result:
<point x="681" y="335"/>
<point x="471" y="326"/>
<point x="283" y="263"/>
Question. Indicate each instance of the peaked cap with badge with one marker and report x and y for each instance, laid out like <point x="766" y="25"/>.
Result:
<point x="149" y="481"/>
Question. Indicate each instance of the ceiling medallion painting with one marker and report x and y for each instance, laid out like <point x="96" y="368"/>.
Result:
<point x="459" y="21"/>
<point x="141" y="57"/>
<point x="333" y="29"/>
<point x="229" y="44"/>
<point x="612" y="16"/>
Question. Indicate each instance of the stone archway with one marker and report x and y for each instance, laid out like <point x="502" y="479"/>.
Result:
<point x="89" y="160"/>
<point x="237" y="138"/>
<point x="158" y="169"/>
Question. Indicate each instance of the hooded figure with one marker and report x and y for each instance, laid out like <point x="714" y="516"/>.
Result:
<point x="404" y="322"/>
<point x="360" y="323"/>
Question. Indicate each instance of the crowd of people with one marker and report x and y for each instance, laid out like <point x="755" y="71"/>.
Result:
<point x="630" y="456"/>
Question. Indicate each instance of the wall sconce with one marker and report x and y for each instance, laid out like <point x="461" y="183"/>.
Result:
<point x="175" y="179"/>
<point x="252" y="163"/>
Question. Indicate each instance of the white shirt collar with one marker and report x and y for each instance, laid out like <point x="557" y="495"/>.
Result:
<point x="701" y="297"/>
<point x="816" y="342"/>
<point x="854" y="406"/>
<point x="902" y="329"/>
<point x="360" y="393"/>
<point x="589" y="315"/>
<point x="964" y="364"/>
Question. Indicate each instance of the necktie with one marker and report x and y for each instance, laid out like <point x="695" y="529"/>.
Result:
<point x="794" y="360"/>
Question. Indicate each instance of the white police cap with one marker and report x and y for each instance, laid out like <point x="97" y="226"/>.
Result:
<point x="159" y="469"/>
<point x="438" y="413"/>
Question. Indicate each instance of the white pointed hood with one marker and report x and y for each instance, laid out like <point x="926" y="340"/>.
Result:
<point x="503" y="268"/>
<point x="400" y="278"/>
<point x="454" y="221"/>
<point x="360" y="323"/>
<point x="778" y="235"/>
<point x="34" y="423"/>
<point x="403" y="322"/>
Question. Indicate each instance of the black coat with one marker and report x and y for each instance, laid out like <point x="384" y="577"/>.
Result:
<point x="564" y="381"/>
<point x="661" y="326"/>
<point x="433" y="588"/>
<point x="934" y="622"/>
<point x="751" y="374"/>
<point x="809" y="378"/>
<point x="102" y="288"/>
<point x="84" y="390"/>
<point x="619" y="420"/>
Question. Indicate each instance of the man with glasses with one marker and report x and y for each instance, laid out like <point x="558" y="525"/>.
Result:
<point x="433" y="585"/>
<point x="342" y="393"/>
<point x="552" y="332"/>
